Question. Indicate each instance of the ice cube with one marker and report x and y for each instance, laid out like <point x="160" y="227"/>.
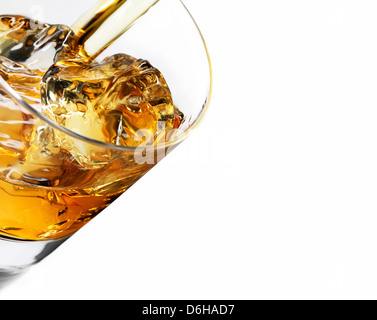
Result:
<point x="31" y="42"/>
<point x="27" y="50"/>
<point x="116" y="101"/>
<point x="24" y="81"/>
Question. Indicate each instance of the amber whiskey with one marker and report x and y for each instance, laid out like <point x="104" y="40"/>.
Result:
<point x="52" y="183"/>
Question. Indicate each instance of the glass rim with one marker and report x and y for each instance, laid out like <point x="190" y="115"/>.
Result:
<point x="16" y="98"/>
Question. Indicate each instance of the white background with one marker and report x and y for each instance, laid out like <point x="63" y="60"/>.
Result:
<point x="274" y="196"/>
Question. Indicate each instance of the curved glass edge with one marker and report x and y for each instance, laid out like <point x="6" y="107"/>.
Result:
<point x="201" y="116"/>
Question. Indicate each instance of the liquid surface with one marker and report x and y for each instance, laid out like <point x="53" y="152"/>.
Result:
<point x="52" y="184"/>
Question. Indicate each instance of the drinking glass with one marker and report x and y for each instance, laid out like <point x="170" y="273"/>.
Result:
<point x="41" y="206"/>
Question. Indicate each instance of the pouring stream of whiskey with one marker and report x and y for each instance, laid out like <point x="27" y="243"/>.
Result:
<point x="107" y="21"/>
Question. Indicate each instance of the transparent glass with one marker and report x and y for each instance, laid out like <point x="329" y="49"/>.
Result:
<point x="44" y="201"/>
